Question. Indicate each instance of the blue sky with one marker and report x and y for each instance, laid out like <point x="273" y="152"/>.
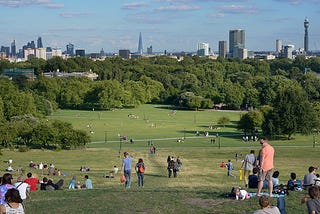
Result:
<point x="172" y="25"/>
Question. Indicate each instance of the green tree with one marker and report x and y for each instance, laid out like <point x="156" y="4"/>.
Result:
<point x="223" y="121"/>
<point x="292" y="112"/>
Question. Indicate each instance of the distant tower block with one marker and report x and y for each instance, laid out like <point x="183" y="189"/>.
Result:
<point x="306" y="37"/>
<point x="278" y="46"/>
<point x="140" y="48"/>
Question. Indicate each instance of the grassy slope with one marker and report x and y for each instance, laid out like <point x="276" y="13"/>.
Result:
<point x="200" y="186"/>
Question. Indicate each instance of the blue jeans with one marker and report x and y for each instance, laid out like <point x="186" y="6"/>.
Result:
<point x="128" y="175"/>
<point x="140" y="178"/>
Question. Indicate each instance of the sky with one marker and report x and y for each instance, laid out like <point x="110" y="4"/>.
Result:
<point x="172" y="25"/>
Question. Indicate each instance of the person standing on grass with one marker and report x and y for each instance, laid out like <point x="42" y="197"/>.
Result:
<point x="230" y="168"/>
<point x="248" y="164"/>
<point x="266" y="165"/>
<point x="140" y="172"/>
<point x="127" y="168"/>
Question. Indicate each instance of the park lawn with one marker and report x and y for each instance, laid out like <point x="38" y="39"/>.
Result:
<point x="199" y="188"/>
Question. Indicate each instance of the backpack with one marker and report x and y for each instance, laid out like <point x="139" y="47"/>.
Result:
<point x="141" y="168"/>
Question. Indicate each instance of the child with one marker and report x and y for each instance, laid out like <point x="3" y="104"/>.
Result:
<point x="230" y="168"/>
<point x="241" y="194"/>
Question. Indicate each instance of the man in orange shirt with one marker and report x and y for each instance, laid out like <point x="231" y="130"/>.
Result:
<point x="266" y="165"/>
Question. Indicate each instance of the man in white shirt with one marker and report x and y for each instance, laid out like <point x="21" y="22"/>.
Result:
<point x="22" y="187"/>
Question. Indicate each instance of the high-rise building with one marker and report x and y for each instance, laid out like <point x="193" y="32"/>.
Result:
<point x="80" y="52"/>
<point x="287" y="51"/>
<point x="223" y="49"/>
<point x="41" y="53"/>
<point x="149" y="50"/>
<point x="203" y="49"/>
<point x="125" y="54"/>
<point x="39" y="42"/>
<point x="278" y="46"/>
<point x="13" y="49"/>
<point x="140" y="47"/>
<point x="70" y="49"/>
<point x="102" y="54"/>
<point x="5" y="50"/>
<point x="236" y="40"/>
<point x="306" y="36"/>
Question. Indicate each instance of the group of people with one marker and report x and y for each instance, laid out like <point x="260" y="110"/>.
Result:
<point x="258" y="172"/>
<point x="174" y="166"/>
<point x="13" y="194"/>
<point x="126" y="169"/>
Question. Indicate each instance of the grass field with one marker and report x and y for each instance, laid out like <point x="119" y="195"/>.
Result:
<point x="199" y="188"/>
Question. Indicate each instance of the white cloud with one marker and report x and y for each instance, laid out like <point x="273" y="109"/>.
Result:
<point x="72" y="15"/>
<point x="182" y="7"/>
<point x="24" y="3"/>
<point x="238" y="9"/>
<point x="134" y="5"/>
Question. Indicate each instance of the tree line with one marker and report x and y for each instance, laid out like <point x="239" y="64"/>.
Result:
<point x="284" y="94"/>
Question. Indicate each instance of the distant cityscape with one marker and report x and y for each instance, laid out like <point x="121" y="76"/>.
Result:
<point x="237" y="49"/>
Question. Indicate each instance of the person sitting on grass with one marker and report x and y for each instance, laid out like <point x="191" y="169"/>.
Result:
<point x="294" y="183"/>
<point x="312" y="200"/>
<point x="13" y="203"/>
<point x="265" y="206"/>
<point x="253" y="179"/>
<point x="88" y="183"/>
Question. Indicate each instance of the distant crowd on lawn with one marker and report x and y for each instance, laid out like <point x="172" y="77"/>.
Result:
<point x="258" y="173"/>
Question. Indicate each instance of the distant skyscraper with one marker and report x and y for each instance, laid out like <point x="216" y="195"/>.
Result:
<point x="13" y="49"/>
<point x="222" y="48"/>
<point x="203" y="49"/>
<point x="236" y="40"/>
<point x="306" y="36"/>
<point x="140" y="47"/>
<point x="80" y="52"/>
<point x="125" y="54"/>
<point x="287" y="51"/>
<point x="39" y="42"/>
<point x="70" y="49"/>
<point x="278" y="46"/>
<point x="149" y="50"/>
<point x="102" y="54"/>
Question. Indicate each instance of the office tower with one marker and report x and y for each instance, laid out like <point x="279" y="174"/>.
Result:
<point x="306" y="37"/>
<point x="13" y="48"/>
<point x="102" y="54"/>
<point x="236" y="40"/>
<point x="222" y="49"/>
<point x="41" y="53"/>
<point x="287" y="51"/>
<point x="149" y="50"/>
<point x="5" y="50"/>
<point x="29" y="53"/>
<point x="203" y="49"/>
<point x="39" y="42"/>
<point x="70" y="49"/>
<point x="80" y="52"/>
<point x="125" y="54"/>
<point x="140" y="48"/>
<point x="278" y="46"/>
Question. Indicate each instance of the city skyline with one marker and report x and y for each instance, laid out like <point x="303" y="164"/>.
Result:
<point x="172" y="25"/>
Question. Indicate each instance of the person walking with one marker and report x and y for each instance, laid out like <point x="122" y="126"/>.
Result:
<point x="140" y="172"/>
<point x="126" y="168"/>
<point x="266" y="165"/>
<point x="247" y="165"/>
<point x="230" y="168"/>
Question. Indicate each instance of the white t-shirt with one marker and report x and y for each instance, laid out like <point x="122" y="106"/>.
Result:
<point x="22" y="187"/>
